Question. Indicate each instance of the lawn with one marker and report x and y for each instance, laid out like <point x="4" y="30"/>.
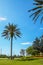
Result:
<point x="16" y="62"/>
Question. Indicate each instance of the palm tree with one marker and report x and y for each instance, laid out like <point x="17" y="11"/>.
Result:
<point x="37" y="11"/>
<point x="11" y="31"/>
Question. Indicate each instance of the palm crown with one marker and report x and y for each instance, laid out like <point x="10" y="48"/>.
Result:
<point x="37" y="11"/>
<point x="11" y="31"/>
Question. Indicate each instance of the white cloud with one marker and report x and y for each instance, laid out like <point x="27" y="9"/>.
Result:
<point x="3" y="18"/>
<point x="41" y="28"/>
<point x="26" y="43"/>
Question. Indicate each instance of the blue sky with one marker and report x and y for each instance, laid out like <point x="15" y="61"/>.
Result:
<point x="16" y="11"/>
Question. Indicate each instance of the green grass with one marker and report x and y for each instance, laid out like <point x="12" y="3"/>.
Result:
<point x="16" y="62"/>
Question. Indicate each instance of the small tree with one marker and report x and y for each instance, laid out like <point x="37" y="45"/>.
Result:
<point x="22" y="52"/>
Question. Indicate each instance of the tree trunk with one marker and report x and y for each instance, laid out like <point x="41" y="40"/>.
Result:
<point x="11" y="48"/>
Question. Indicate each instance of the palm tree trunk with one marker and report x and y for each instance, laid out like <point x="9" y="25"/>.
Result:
<point x="11" y="47"/>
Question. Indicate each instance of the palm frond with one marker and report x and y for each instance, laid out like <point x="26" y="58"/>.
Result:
<point x="34" y="9"/>
<point x="41" y="20"/>
<point x="40" y="2"/>
<point x="38" y="10"/>
<point x="18" y="34"/>
<point x="36" y="15"/>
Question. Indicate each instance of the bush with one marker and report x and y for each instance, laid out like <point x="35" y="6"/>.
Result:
<point x="28" y="58"/>
<point x="3" y="56"/>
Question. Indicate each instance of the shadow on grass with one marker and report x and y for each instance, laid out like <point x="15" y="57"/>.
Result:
<point x="26" y="59"/>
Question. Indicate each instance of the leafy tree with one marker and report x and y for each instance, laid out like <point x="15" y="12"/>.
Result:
<point x="22" y="52"/>
<point x="37" y="47"/>
<point x="11" y="31"/>
<point x="37" y="11"/>
<point x="41" y="44"/>
<point x="36" y="44"/>
<point x="32" y="51"/>
<point x="29" y="50"/>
